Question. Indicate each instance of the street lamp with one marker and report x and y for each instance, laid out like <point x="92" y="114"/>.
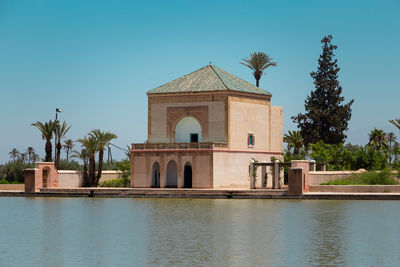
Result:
<point x="55" y="136"/>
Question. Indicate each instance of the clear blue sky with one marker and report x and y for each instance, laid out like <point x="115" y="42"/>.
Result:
<point x="96" y="59"/>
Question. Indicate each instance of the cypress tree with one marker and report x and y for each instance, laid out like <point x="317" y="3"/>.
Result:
<point x="326" y="117"/>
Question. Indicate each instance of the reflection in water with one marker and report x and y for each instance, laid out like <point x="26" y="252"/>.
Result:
<point x="199" y="232"/>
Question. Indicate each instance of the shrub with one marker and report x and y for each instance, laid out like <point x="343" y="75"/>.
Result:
<point x="4" y="181"/>
<point x="118" y="182"/>
<point x="384" y="177"/>
<point x="14" y="171"/>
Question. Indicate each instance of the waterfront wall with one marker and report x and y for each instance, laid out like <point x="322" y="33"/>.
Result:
<point x="318" y="177"/>
<point x="12" y="186"/>
<point x="73" y="179"/>
<point x="355" y="188"/>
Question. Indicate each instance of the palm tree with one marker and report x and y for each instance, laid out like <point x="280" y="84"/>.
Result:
<point x="47" y="134"/>
<point x="90" y="144"/>
<point x="396" y="122"/>
<point x="14" y="154"/>
<point x="68" y="145"/>
<point x="258" y="63"/>
<point x="377" y="138"/>
<point x="23" y="157"/>
<point x="30" y="152"/>
<point x="61" y="131"/>
<point x="396" y="151"/>
<point x="391" y="138"/>
<point x="294" y="140"/>
<point x="35" y="157"/>
<point x="102" y="140"/>
<point x="83" y="155"/>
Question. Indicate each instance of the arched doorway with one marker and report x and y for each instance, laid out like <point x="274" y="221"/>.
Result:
<point x="45" y="177"/>
<point x="171" y="175"/>
<point x="188" y="130"/>
<point x="187" y="176"/>
<point x="155" y="175"/>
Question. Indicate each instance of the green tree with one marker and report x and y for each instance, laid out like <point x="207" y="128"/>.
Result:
<point x="14" y="154"/>
<point x="46" y="129"/>
<point x="377" y="139"/>
<point x="102" y="140"/>
<point x="326" y="117"/>
<point x="391" y="138"/>
<point x="258" y="62"/>
<point x="84" y="156"/>
<point x="60" y="130"/>
<point x="90" y="144"/>
<point x="294" y="140"/>
<point x="30" y="151"/>
<point x="68" y="146"/>
<point x="396" y="122"/>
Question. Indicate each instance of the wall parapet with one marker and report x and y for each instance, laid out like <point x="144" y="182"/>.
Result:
<point x="199" y="145"/>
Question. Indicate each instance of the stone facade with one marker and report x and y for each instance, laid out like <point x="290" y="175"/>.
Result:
<point x="228" y="120"/>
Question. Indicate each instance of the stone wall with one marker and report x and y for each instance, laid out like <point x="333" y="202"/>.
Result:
<point x="355" y="188"/>
<point x="318" y="177"/>
<point x="73" y="179"/>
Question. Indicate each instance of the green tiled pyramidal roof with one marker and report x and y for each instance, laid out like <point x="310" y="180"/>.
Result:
<point x="208" y="79"/>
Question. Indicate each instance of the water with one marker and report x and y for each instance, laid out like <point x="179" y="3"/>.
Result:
<point x="198" y="232"/>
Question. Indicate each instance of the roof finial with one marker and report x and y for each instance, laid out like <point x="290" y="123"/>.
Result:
<point x="210" y="62"/>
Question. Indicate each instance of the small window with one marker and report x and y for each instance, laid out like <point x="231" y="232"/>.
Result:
<point x="194" y="138"/>
<point x="250" y="140"/>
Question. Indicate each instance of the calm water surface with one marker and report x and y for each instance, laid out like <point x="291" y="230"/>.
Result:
<point x="198" y="232"/>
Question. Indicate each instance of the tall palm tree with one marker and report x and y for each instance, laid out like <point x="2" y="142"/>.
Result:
<point x="377" y="139"/>
<point x="396" y="122"/>
<point x="90" y="144"/>
<point x="68" y="145"/>
<point x="391" y="138"/>
<point x="30" y="152"/>
<point x="60" y="130"/>
<point x="14" y="154"/>
<point x="35" y="157"/>
<point x="294" y="140"/>
<point x="46" y="129"/>
<point x="396" y="151"/>
<point x="102" y="140"/>
<point x="23" y="157"/>
<point x="258" y="62"/>
<point x="83" y="155"/>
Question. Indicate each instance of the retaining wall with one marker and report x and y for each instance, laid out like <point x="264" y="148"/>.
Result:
<point x="12" y="186"/>
<point x="355" y="188"/>
<point x="73" y="179"/>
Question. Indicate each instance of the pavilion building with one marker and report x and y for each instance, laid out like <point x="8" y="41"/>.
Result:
<point x="203" y="130"/>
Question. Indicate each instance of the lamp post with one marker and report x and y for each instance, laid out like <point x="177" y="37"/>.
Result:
<point x="55" y="137"/>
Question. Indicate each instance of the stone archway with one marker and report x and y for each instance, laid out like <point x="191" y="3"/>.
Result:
<point x="171" y="175"/>
<point x="188" y="130"/>
<point x="45" y="177"/>
<point x="155" y="175"/>
<point x="187" y="176"/>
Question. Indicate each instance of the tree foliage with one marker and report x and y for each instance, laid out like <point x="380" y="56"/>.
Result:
<point x="258" y="62"/>
<point x="326" y="117"/>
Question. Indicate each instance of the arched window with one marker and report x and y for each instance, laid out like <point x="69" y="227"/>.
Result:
<point x="188" y="130"/>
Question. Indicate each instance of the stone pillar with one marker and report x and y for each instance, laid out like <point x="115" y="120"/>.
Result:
<point x="30" y="186"/>
<point x="305" y="165"/>
<point x="252" y="184"/>
<point x="162" y="172"/>
<point x="313" y="166"/>
<point x="275" y="178"/>
<point x="263" y="174"/>
<point x="132" y="168"/>
<point x="180" y="172"/>
<point x="295" y="182"/>
<point x="323" y="168"/>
